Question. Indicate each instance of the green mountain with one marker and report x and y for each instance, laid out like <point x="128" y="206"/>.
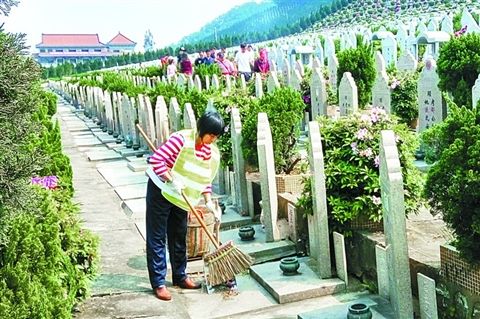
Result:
<point x="254" y="20"/>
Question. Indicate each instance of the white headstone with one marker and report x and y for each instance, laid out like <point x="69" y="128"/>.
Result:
<point x="286" y="72"/>
<point x="381" y="94"/>
<point x="340" y="257"/>
<point x="174" y="115"/>
<point x="406" y="62"/>
<point x="189" y="117"/>
<point x="332" y="71"/>
<point x="402" y="38"/>
<point x="215" y="82"/>
<point x="347" y="95"/>
<point x="382" y="272"/>
<point x="272" y="82"/>
<point x="430" y="100"/>
<point x="299" y="67"/>
<point x="318" y="93"/>
<point x="238" y="162"/>
<point x="258" y="85"/>
<point x="198" y="83"/>
<point x="427" y="297"/>
<point x="432" y="25"/>
<point x="389" y="50"/>
<point x="421" y="27"/>
<point x="447" y="24"/>
<point x="469" y="21"/>
<point x="161" y="118"/>
<point x="476" y="92"/>
<point x="296" y="80"/>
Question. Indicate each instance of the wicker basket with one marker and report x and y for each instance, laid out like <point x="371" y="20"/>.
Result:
<point x="198" y="243"/>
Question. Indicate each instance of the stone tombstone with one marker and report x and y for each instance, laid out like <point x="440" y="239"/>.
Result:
<point x="393" y="206"/>
<point x="430" y="100"/>
<point x="286" y="72"/>
<point x="332" y="71"/>
<point x="382" y="271"/>
<point x="427" y="297"/>
<point x="240" y="185"/>
<point x="469" y="21"/>
<point x="389" y="50"/>
<point x="210" y="106"/>
<point x="133" y="118"/>
<point x="406" y="62"/>
<point x="228" y="83"/>
<point x="299" y="67"/>
<point x="190" y="83"/>
<point x="198" y="83"/>
<point x="161" y="118"/>
<point x="329" y="47"/>
<point x="117" y="114"/>
<point x="174" y="115"/>
<point x="318" y="222"/>
<point x="243" y="83"/>
<point x="340" y="257"/>
<point x="347" y="95"/>
<point x="296" y="80"/>
<point x="317" y="63"/>
<point x="181" y="80"/>
<point x="318" y="93"/>
<point x="258" y="85"/>
<point x="421" y="27"/>
<point x="292" y="222"/>
<point x="476" y="92"/>
<point x="447" y="24"/>
<point x="109" y="112"/>
<point x="380" y="63"/>
<point x="207" y="82"/>
<point x="273" y="66"/>
<point x="432" y="25"/>
<point x="268" y="185"/>
<point x="272" y="82"/>
<point x="319" y="54"/>
<point x="150" y="120"/>
<point x="123" y="116"/>
<point x="215" y="82"/>
<point x="402" y="38"/>
<point x="189" y="121"/>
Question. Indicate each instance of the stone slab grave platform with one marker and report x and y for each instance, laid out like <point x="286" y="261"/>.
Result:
<point x="105" y="137"/>
<point x="127" y="152"/>
<point x="87" y="141"/>
<point x="306" y="284"/>
<point x="381" y="309"/>
<point x="120" y="176"/>
<point x="131" y="191"/>
<point x="102" y="154"/>
<point x="137" y="164"/>
<point x="258" y="248"/>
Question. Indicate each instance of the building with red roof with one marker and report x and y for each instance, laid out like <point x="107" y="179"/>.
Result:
<point x="74" y="48"/>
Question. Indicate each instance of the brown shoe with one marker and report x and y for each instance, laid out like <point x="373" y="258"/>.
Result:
<point x="162" y="293"/>
<point x="189" y="284"/>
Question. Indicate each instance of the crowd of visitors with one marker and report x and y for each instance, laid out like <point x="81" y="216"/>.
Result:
<point x="244" y="62"/>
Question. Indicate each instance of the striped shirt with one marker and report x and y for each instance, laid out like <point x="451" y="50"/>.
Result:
<point x="165" y="156"/>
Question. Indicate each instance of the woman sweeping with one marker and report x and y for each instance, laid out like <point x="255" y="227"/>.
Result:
<point x="188" y="162"/>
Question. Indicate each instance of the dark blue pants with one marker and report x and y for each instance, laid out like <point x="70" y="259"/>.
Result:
<point x="165" y="220"/>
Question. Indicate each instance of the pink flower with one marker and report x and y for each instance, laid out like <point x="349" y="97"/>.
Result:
<point x="354" y="147"/>
<point x="48" y="182"/>
<point x="376" y="161"/>
<point x="362" y="134"/>
<point x="366" y="153"/>
<point x="365" y="118"/>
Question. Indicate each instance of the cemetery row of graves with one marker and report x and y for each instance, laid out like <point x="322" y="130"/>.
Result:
<point x="353" y="97"/>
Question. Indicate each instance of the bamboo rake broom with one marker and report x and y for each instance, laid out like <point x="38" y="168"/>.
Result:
<point x="227" y="260"/>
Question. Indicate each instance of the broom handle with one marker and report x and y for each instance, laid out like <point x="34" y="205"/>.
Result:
<point x="142" y="132"/>
<point x="194" y="211"/>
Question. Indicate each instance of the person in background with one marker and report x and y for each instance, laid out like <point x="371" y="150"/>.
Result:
<point x="210" y="57"/>
<point x="251" y="52"/>
<point x="202" y="56"/>
<point x="171" y="68"/>
<point x="181" y="51"/>
<point x="261" y="64"/>
<point x="225" y="65"/>
<point x="186" y="65"/>
<point x="187" y="162"/>
<point x="244" y="62"/>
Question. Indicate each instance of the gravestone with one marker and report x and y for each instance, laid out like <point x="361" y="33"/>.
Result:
<point x="190" y="83"/>
<point x="207" y="82"/>
<point x="319" y="54"/>
<point x="299" y="67"/>
<point x="382" y="271"/>
<point x="432" y="25"/>
<point x="228" y="83"/>
<point x="332" y="71"/>
<point x="161" y="118"/>
<point x="421" y="27"/>
<point x="389" y="50"/>
<point x="117" y="114"/>
<point x="181" y="81"/>
<point x="286" y="72"/>
<point x="317" y="63"/>
<point x="329" y="47"/>
<point x="393" y="206"/>
<point x="189" y="121"/>
<point x="430" y="100"/>
<point x="198" y="83"/>
<point x="427" y="297"/>
<point x="215" y="82"/>
<point x="318" y="93"/>
<point x="174" y="115"/>
<point x="273" y="66"/>
<point x="340" y="257"/>
<point x="402" y="38"/>
<point x="295" y="80"/>
<point x="476" y="92"/>
<point x="292" y="222"/>
<point x="318" y="222"/>
<point x="381" y="95"/>
<point x="347" y="95"/>
<point x="239" y="162"/>
<point x="149" y="120"/>
<point x="268" y="185"/>
<point x="447" y="24"/>
<point x="258" y="85"/>
<point x="468" y="20"/>
<point x="406" y="62"/>
<point x="109" y="112"/>
<point x="272" y="82"/>
<point x="243" y="83"/>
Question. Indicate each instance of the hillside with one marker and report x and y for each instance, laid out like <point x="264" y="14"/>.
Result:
<point x="257" y="18"/>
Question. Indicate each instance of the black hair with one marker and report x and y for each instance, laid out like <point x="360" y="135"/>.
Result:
<point x="210" y="123"/>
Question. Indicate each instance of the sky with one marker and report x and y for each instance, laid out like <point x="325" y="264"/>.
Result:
<point x="168" y="20"/>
